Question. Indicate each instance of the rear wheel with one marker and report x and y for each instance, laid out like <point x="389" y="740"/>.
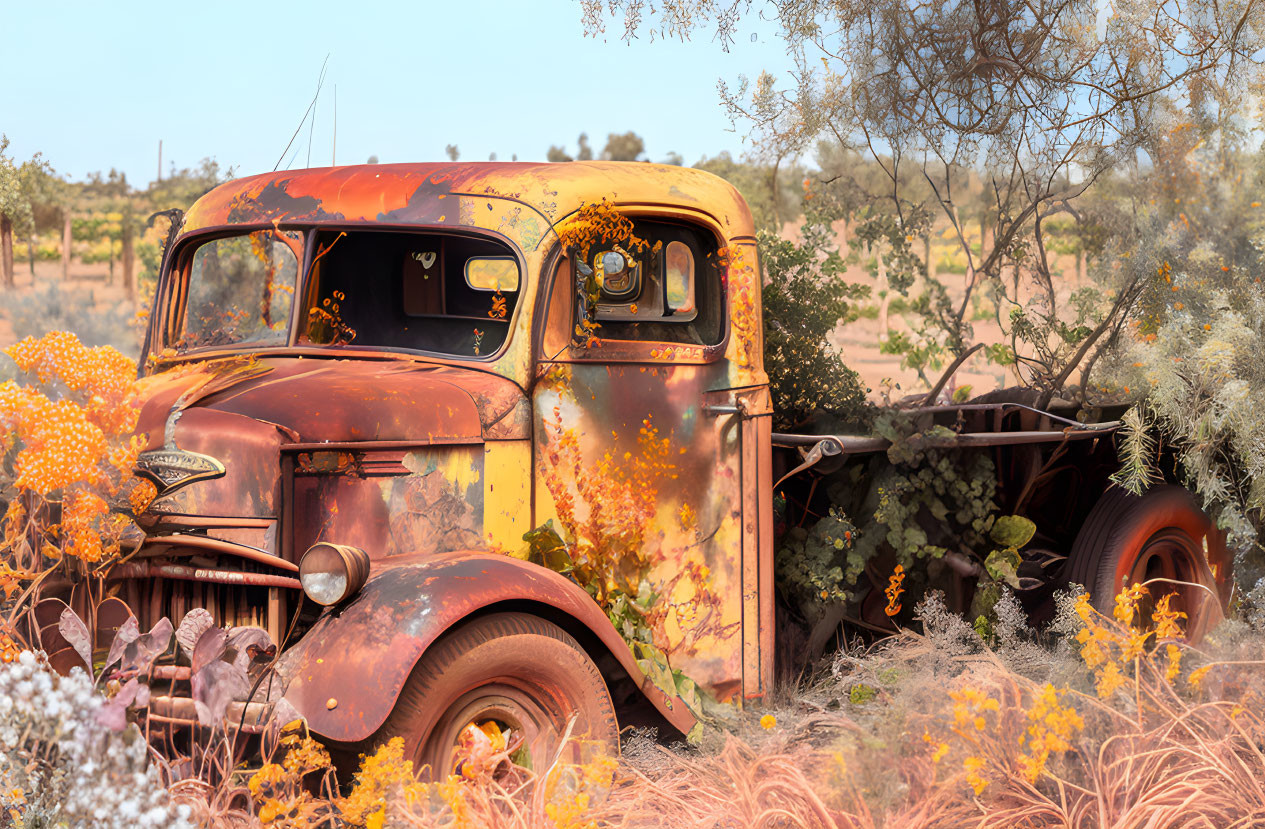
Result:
<point x="1158" y="537"/>
<point x="512" y="677"/>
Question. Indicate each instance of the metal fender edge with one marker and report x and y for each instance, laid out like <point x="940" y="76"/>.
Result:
<point x="345" y="674"/>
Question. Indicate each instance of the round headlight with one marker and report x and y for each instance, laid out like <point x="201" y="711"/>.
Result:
<point x="331" y="573"/>
<point x="613" y="262"/>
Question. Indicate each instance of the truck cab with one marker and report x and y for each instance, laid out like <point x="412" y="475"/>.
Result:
<point x="364" y="387"/>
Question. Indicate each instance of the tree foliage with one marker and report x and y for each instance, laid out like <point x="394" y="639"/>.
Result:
<point x="21" y="185"/>
<point x="1018" y="108"/>
<point x="626" y="146"/>
<point x="804" y="300"/>
<point x="773" y="197"/>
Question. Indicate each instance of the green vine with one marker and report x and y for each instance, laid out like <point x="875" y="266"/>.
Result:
<point x="921" y="501"/>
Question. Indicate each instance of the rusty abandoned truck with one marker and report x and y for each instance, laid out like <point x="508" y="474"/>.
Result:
<point x="365" y="386"/>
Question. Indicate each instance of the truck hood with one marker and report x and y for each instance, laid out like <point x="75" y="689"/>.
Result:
<point x="313" y="400"/>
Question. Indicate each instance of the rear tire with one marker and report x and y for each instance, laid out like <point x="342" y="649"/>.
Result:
<point x="521" y="672"/>
<point x="1158" y="537"/>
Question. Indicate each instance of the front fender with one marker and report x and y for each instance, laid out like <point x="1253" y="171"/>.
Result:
<point x="345" y="674"/>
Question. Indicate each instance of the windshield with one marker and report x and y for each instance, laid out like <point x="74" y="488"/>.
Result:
<point x="240" y="290"/>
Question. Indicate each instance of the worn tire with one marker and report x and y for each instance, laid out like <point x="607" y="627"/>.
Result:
<point x="516" y="669"/>
<point x="1159" y="535"/>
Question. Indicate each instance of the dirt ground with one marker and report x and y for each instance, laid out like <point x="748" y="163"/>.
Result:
<point x="85" y="280"/>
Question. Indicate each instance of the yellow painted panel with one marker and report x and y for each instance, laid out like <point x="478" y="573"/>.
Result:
<point x="507" y="475"/>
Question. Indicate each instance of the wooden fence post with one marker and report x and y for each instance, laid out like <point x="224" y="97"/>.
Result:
<point x="6" y="249"/>
<point x="129" y="258"/>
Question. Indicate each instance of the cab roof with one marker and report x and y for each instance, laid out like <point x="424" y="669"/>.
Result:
<point x="404" y="194"/>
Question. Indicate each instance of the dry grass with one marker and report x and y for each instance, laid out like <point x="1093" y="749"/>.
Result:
<point x="921" y="730"/>
<point x="1094" y="724"/>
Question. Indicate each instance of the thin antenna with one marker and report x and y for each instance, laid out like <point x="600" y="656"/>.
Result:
<point x="311" y="128"/>
<point x="333" y="153"/>
<point x="160" y="159"/>
<point x="319" y="82"/>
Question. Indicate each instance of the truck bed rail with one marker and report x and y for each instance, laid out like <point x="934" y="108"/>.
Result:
<point x="825" y="446"/>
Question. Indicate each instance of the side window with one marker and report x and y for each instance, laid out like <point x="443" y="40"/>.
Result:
<point x="667" y="290"/>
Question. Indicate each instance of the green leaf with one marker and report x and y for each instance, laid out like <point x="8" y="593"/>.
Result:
<point x="1012" y="531"/>
<point x="983" y="627"/>
<point x="546" y="548"/>
<point x="655" y="666"/>
<point x="1003" y="565"/>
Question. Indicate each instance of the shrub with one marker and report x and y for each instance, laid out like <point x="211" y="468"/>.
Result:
<point x="1193" y="346"/>
<point x="805" y="297"/>
<point x="59" y="766"/>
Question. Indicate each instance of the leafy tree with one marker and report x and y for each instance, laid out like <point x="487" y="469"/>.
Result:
<point x="626" y="146"/>
<point x="20" y="185"/>
<point x="1038" y="100"/>
<point x="584" y="153"/>
<point x="181" y="188"/>
<point x="755" y="184"/>
<point x="452" y="152"/>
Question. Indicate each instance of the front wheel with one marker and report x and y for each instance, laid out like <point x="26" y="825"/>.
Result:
<point x="513" y="675"/>
<point x="1162" y="538"/>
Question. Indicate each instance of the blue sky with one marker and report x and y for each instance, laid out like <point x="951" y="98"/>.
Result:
<point x="96" y="85"/>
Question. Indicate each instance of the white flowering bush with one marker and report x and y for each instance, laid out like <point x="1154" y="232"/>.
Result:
<point x="61" y="767"/>
<point x="1193" y="350"/>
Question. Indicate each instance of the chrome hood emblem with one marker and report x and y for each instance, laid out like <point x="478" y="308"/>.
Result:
<point x="172" y="469"/>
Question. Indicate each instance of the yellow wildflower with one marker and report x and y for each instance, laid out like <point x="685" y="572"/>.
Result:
<point x="1110" y="680"/>
<point x="1166" y="619"/>
<point x="1174" y="663"/>
<point x="269" y="776"/>
<point x="1127" y="603"/>
<point x="893" y="591"/>
<point x="1051" y="728"/>
<point x="973" y="766"/>
<point x="768" y="721"/>
<point x="940" y="748"/>
<point x="379" y="773"/>
<point x="969" y="707"/>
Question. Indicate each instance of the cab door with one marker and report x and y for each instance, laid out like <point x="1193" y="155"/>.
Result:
<point x="645" y="445"/>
